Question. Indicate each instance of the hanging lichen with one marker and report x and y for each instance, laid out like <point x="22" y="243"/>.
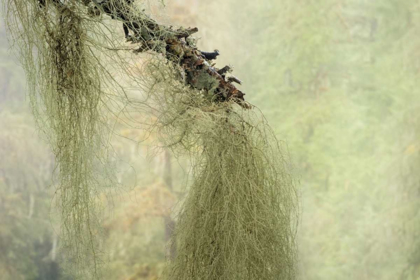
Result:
<point x="65" y="89"/>
<point x="237" y="220"/>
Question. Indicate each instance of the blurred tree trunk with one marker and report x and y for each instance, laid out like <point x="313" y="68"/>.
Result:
<point x="169" y="222"/>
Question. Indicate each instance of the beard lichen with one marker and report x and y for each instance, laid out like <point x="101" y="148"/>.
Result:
<point x="237" y="221"/>
<point x="65" y="92"/>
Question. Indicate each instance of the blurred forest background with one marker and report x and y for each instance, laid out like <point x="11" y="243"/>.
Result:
<point x="338" y="81"/>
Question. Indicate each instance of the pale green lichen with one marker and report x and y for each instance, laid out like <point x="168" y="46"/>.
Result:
<point x="238" y="219"/>
<point x="65" y="92"/>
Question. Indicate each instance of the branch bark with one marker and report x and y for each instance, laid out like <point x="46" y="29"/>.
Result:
<point x="199" y="71"/>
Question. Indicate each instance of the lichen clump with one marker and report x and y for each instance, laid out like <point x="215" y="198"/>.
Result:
<point x="238" y="220"/>
<point x="65" y="91"/>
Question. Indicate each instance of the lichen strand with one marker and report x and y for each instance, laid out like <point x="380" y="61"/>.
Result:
<point x="65" y="91"/>
<point x="75" y="111"/>
<point x="238" y="219"/>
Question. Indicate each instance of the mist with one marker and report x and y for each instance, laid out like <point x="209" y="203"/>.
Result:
<point x="338" y="83"/>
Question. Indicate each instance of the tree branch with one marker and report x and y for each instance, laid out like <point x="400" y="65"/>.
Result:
<point x="177" y="47"/>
